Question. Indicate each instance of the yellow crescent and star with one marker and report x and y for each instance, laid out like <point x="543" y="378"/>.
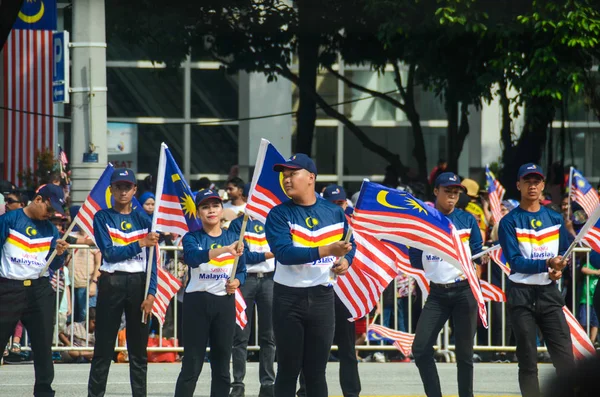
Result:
<point x="535" y="223"/>
<point x="311" y="222"/>
<point x="414" y="205"/>
<point x="215" y="245"/>
<point x="258" y="228"/>
<point x="125" y="225"/>
<point x="35" y="17"/>
<point x="30" y="231"/>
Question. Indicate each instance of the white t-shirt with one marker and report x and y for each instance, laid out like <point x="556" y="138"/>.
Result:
<point x="236" y="208"/>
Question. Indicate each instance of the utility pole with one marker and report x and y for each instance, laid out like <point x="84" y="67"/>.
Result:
<point x="88" y="97"/>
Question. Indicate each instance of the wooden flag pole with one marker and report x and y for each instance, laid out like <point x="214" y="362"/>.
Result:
<point x="240" y="241"/>
<point x="348" y="235"/>
<point x="53" y="255"/>
<point x="148" y="277"/>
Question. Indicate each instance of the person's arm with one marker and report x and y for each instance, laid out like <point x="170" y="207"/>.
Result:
<point x="280" y="241"/>
<point x="563" y="238"/>
<point x="111" y="253"/>
<point x="193" y="256"/>
<point x="69" y="306"/>
<point x="416" y="258"/>
<point x="510" y="247"/>
<point x="475" y="240"/>
<point x="240" y="272"/>
<point x="64" y="339"/>
<point x="58" y="260"/>
<point x="350" y="255"/>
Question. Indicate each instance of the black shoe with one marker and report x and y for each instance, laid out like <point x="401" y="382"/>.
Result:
<point x="237" y="391"/>
<point x="267" y="391"/>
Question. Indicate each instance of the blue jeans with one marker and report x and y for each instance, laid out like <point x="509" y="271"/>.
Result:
<point x="80" y="304"/>
<point x="387" y="316"/>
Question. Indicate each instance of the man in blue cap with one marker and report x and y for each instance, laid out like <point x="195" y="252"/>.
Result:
<point x="123" y="236"/>
<point x="306" y="234"/>
<point x="27" y="238"/>
<point x="450" y="295"/>
<point x="533" y="239"/>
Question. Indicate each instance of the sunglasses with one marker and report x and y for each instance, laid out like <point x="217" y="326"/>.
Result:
<point x="12" y="201"/>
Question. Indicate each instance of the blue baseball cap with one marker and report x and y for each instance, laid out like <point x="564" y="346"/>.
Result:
<point x="123" y="175"/>
<point x="297" y="162"/>
<point x="207" y="194"/>
<point x="448" y="179"/>
<point x="334" y="193"/>
<point x="530" y="169"/>
<point x="55" y="195"/>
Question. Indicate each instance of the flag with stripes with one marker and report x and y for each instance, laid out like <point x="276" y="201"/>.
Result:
<point x="582" y="345"/>
<point x="100" y="198"/>
<point x="62" y="157"/>
<point x="266" y="190"/>
<point x="495" y="193"/>
<point x="390" y="214"/>
<point x="373" y="269"/>
<point x="589" y="234"/>
<point x="491" y="292"/>
<point x="175" y="208"/>
<point x="241" y="318"/>
<point x="401" y="340"/>
<point x="403" y="262"/>
<point x="583" y="193"/>
<point x="498" y="257"/>
<point x="167" y="287"/>
<point x="28" y="122"/>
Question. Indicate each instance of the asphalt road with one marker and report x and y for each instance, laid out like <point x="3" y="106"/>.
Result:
<point x="378" y="379"/>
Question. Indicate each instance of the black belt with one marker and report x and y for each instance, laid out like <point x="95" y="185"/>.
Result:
<point x="261" y="274"/>
<point x="450" y="285"/>
<point x="24" y="283"/>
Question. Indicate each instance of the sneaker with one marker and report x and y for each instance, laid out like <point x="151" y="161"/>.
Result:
<point x="267" y="391"/>
<point x="237" y="391"/>
<point x="476" y="358"/>
<point x="379" y="357"/>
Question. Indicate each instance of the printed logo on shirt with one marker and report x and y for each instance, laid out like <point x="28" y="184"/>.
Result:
<point x="126" y="225"/>
<point x="302" y="237"/>
<point x="311" y="222"/>
<point x="30" y="231"/>
<point x="222" y="260"/>
<point x="259" y="228"/>
<point x="121" y="238"/>
<point x="215" y="245"/>
<point x="255" y="239"/>
<point x="26" y="244"/>
<point x="535" y="223"/>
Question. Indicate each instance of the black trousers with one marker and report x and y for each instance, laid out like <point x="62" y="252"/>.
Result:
<point x="118" y="292"/>
<point x="457" y="301"/>
<point x="538" y="305"/>
<point x="206" y="316"/>
<point x="304" y="323"/>
<point x="34" y="305"/>
<point x="259" y="291"/>
<point x="345" y="339"/>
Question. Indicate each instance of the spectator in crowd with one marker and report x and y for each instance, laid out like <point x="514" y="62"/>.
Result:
<point x="591" y="271"/>
<point x="147" y="200"/>
<point x="474" y="206"/>
<point x="64" y="292"/>
<point x="82" y="335"/>
<point x="235" y="193"/>
<point x="15" y="200"/>
<point x="204" y="183"/>
<point x="440" y="168"/>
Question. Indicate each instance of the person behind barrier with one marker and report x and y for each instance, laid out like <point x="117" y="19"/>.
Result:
<point x="82" y="337"/>
<point x="306" y="234"/>
<point x="209" y="302"/>
<point x="450" y="295"/>
<point x="27" y="238"/>
<point x="258" y="289"/>
<point x="533" y="239"/>
<point x="123" y="236"/>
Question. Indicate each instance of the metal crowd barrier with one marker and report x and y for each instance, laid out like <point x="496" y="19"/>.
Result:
<point x="443" y="345"/>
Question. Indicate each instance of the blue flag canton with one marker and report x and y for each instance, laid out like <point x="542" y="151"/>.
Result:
<point x="270" y="180"/>
<point x="375" y="337"/>
<point x="581" y="183"/>
<point x="176" y="185"/>
<point x="490" y="181"/>
<point x="37" y="15"/>
<point x="102" y="195"/>
<point x="378" y="198"/>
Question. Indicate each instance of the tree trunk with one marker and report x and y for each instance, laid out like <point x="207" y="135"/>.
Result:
<point x="451" y="106"/>
<point x="308" y="62"/>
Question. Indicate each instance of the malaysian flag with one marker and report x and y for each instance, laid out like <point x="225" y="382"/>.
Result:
<point x="28" y="122"/>
<point x="498" y="258"/>
<point x="266" y="190"/>
<point x="373" y="269"/>
<point x="491" y="292"/>
<point x="582" y="345"/>
<point x="175" y="208"/>
<point x="241" y="318"/>
<point x="167" y="287"/>
<point x="99" y="198"/>
<point x="389" y="214"/>
<point x="495" y="194"/>
<point x="583" y="193"/>
<point x="589" y="234"/>
<point x="403" y="262"/>
<point x="62" y="157"/>
<point x="401" y="340"/>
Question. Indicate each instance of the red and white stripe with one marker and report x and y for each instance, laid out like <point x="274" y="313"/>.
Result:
<point x="85" y="216"/>
<point x="260" y="202"/>
<point x="373" y="269"/>
<point x="496" y="256"/>
<point x="403" y="262"/>
<point x="167" y="287"/>
<point x="588" y="201"/>
<point x="169" y="215"/>
<point x="496" y="200"/>
<point x="491" y="292"/>
<point x="27" y="88"/>
<point x="592" y="238"/>
<point x="241" y="318"/>
<point x="402" y="340"/>
<point x="582" y="345"/>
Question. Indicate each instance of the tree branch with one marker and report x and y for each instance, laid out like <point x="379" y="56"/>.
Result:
<point x="373" y="93"/>
<point x="398" y="80"/>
